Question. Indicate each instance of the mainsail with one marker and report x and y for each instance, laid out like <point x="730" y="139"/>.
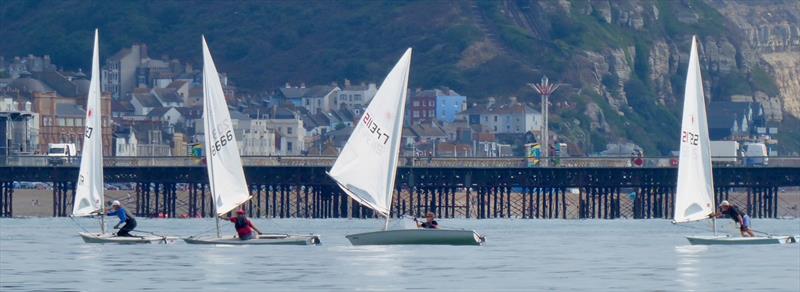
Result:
<point x="694" y="198"/>
<point x="225" y="173"/>
<point x="366" y="167"/>
<point x="89" y="189"/>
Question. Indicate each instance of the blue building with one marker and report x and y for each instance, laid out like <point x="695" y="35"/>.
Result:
<point x="449" y="104"/>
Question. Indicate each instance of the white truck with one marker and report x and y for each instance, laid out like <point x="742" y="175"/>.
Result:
<point x="755" y="154"/>
<point x="725" y="152"/>
<point x="61" y="153"/>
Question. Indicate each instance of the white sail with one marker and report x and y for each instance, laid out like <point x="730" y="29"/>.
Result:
<point x="224" y="165"/>
<point x="89" y="190"/>
<point x="366" y="167"/>
<point x="694" y="198"/>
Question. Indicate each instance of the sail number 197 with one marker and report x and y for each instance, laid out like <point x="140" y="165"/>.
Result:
<point x="221" y="142"/>
<point x="689" y="137"/>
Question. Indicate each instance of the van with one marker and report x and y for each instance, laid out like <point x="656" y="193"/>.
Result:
<point x="60" y="153"/>
<point x="755" y="154"/>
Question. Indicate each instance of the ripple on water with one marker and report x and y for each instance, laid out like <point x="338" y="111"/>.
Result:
<point x="520" y="254"/>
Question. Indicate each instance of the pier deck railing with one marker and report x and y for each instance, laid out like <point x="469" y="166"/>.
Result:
<point x="428" y="162"/>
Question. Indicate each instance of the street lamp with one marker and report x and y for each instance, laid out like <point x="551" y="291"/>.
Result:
<point x="545" y="89"/>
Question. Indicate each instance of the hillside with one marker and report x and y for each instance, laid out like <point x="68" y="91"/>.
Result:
<point x="623" y="62"/>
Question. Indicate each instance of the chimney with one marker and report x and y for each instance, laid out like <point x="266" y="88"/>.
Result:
<point x="346" y="83"/>
<point x="288" y="85"/>
<point x="302" y="85"/>
<point x="512" y="100"/>
<point x="491" y="101"/>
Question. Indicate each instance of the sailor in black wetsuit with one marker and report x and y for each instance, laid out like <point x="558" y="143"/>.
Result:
<point x="125" y="217"/>
<point x="738" y="216"/>
<point x="429" y="222"/>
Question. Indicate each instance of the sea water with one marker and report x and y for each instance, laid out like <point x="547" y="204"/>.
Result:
<point x="595" y="255"/>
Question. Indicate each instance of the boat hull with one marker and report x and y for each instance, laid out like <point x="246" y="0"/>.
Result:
<point x="110" y="238"/>
<point x="264" y="239"/>
<point x="418" y="236"/>
<point x="727" y="240"/>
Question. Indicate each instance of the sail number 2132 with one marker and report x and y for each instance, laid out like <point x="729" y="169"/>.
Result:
<point x="221" y="142"/>
<point x="689" y="137"/>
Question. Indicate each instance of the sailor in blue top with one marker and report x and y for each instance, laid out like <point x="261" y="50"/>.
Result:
<point x="124" y="217"/>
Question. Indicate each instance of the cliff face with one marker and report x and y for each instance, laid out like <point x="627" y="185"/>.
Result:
<point x="630" y="58"/>
<point x="772" y="30"/>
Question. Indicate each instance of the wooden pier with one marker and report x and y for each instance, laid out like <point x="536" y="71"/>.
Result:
<point x="464" y="192"/>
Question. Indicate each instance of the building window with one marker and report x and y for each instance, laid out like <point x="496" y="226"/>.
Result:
<point x="416" y="114"/>
<point x="416" y="103"/>
<point x="61" y="122"/>
<point x="289" y="130"/>
<point x="289" y="146"/>
<point x="495" y="118"/>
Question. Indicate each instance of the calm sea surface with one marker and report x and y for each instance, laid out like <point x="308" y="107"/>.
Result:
<point x="47" y="254"/>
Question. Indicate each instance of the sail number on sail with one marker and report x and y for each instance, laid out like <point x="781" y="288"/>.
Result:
<point x="375" y="129"/>
<point x="221" y="142"/>
<point x="689" y="137"/>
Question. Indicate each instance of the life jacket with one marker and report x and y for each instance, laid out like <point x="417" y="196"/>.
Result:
<point x="241" y="223"/>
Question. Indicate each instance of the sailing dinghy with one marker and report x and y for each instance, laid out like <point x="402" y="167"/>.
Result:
<point x="367" y="165"/>
<point x="694" y="197"/>
<point x="224" y="165"/>
<point x="89" y="189"/>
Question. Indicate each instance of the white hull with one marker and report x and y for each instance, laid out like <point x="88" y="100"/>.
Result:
<point x="418" y="236"/>
<point x="727" y="240"/>
<point x="110" y="238"/>
<point x="276" y="239"/>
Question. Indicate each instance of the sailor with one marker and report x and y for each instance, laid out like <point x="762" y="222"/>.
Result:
<point x="738" y="216"/>
<point x="243" y="226"/>
<point x="429" y="222"/>
<point x="124" y="217"/>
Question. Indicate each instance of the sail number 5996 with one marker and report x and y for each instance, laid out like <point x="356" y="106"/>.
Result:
<point x="689" y="137"/>
<point x="221" y="142"/>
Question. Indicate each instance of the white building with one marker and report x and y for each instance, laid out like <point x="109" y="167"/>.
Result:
<point x="257" y="139"/>
<point x="140" y="141"/>
<point x="508" y="118"/>
<point x="352" y="96"/>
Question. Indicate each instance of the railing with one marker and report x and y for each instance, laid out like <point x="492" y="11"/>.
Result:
<point x="434" y="162"/>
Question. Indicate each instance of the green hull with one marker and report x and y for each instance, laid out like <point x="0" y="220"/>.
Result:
<point x="417" y="236"/>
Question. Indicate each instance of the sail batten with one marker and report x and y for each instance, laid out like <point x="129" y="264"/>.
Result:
<point x="694" y="197"/>
<point x="224" y="164"/>
<point x="367" y="165"/>
<point x="89" y="187"/>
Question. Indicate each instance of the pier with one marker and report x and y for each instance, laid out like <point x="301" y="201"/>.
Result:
<point x="298" y="187"/>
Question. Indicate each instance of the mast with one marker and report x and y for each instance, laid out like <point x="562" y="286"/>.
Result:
<point x="102" y="221"/>
<point x="209" y="162"/>
<point x="213" y="190"/>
